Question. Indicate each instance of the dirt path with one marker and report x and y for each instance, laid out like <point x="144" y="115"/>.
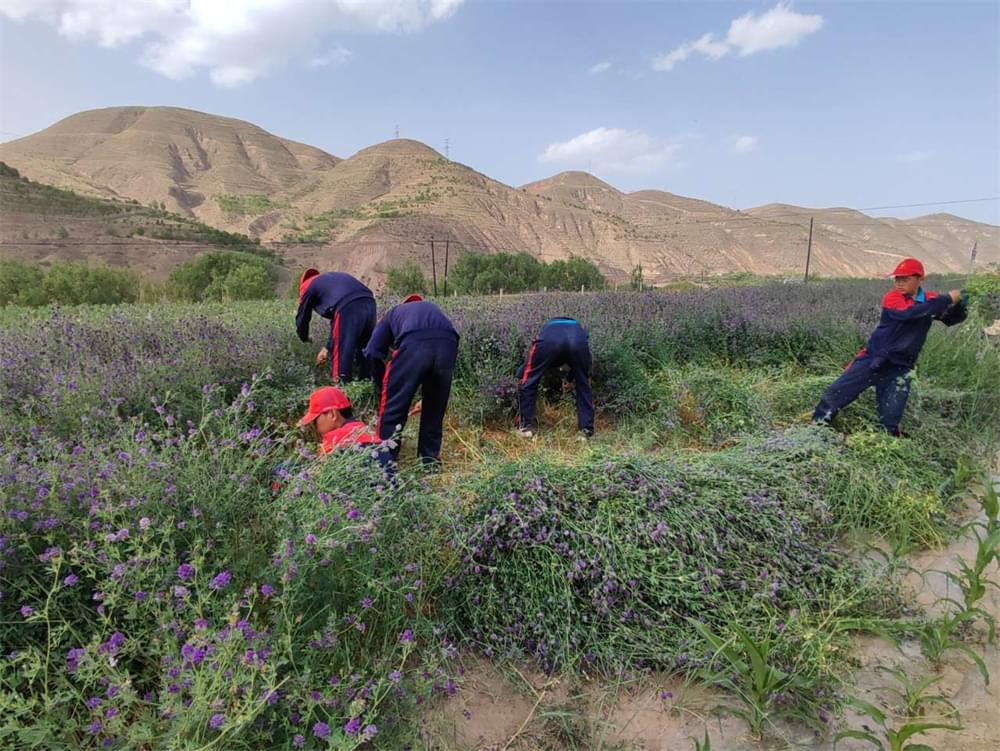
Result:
<point x="514" y="709"/>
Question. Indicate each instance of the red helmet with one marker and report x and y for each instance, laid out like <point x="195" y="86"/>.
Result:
<point x="413" y="298"/>
<point x="307" y="278"/>
<point x="323" y="400"/>
<point x="909" y="267"/>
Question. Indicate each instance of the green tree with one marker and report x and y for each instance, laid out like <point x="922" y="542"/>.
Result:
<point x="636" y="281"/>
<point x="79" y="284"/>
<point x="248" y="283"/>
<point x="204" y="278"/>
<point x="486" y="273"/>
<point x="405" y="280"/>
<point x="20" y="283"/>
<point x="573" y="274"/>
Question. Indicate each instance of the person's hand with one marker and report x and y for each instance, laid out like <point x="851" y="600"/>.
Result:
<point x="321" y="356"/>
<point x="956" y="295"/>
<point x="418" y="407"/>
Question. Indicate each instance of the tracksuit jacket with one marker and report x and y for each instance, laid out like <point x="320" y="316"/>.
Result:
<point x="350" y="306"/>
<point x="892" y="350"/>
<point x="413" y="346"/>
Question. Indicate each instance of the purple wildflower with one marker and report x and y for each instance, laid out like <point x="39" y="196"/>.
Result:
<point x="220" y="581"/>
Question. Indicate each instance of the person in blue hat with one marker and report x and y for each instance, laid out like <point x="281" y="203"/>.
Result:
<point x="561" y="342"/>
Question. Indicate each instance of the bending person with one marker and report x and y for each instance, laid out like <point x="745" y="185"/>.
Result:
<point x="350" y="306"/>
<point x="413" y="347"/>
<point x="562" y="341"/>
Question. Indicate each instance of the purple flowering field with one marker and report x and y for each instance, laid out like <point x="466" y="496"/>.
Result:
<point x="178" y="569"/>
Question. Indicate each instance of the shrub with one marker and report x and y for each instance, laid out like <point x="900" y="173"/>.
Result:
<point x="207" y="277"/>
<point x="405" y="280"/>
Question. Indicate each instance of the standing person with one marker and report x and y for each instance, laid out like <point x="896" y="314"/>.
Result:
<point x="350" y="306"/>
<point x="892" y="349"/>
<point x="562" y="341"/>
<point x="413" y="346"/>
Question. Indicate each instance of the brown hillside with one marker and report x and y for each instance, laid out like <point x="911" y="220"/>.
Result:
<point x="375" y="208"/>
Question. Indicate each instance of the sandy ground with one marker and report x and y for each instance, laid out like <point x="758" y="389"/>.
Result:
<point x="515" y="709"/>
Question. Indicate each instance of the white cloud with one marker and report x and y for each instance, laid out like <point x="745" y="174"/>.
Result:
<point x="237" y="41"/>
<point x="912" y="157"/>
<point x="706" y="45"/>
<point x="600" y="67"/>
<point x="613" y="150"/>
<point x="778" y="27"/>
<point x="745" y="144"/>
<point x="337" y="56"/>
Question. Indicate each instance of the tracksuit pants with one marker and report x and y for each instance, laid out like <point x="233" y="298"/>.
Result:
<point x="428" y="364"/>
<point x="567" y="345"/>
<point x="350" y="330"/>
<point x="892" y="389"/>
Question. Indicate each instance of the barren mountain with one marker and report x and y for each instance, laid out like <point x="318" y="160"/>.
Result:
<point x="380" y="206"/>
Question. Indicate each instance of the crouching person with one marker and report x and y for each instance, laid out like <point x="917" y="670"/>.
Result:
<point x="331" y="412"/>
<point x="908" y="310"/>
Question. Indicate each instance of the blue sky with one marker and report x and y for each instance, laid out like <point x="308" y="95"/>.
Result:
<point x="817" y="104"/>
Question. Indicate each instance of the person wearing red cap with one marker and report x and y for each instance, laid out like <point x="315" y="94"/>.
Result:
<point x="330" y="411"/>
<point x="350" y="306"/>
<point x="908" y="310"/>
<point x="413" y="346"/>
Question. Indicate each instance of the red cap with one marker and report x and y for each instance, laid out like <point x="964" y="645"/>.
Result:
<point x="323" y="400"/>
<point x="413" y="298"/>
<point x="909" y="267"/>
<point x="307" y="277"/>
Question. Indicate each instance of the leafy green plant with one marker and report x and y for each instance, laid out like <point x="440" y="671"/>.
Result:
<point x="940" y="635"/>
<point x="703" y="745"/>
<point x="913" y="714"/>
<point x="747" y="670"/>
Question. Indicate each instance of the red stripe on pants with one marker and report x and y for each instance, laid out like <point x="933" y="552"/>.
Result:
<point x="335" y="355"/>
<point x="527" y="365"/>
<point x="385" y="395"/>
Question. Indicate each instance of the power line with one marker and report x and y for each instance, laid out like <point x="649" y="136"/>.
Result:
<point x="931" y="203"/>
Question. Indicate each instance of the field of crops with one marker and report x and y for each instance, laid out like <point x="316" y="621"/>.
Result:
<point x="178" y="570"/>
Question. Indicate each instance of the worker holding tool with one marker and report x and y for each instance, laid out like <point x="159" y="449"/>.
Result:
<point x="885" y="362"/>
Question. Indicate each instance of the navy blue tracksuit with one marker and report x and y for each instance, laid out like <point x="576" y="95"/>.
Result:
<point x="562" y="341"/>
<point x="413" y="346"/>
<point x="350" y="306"/>
<point x="886" y="360"/>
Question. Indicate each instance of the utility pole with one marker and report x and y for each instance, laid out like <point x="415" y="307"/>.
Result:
<point x="447" y="149"/>
<point x="397" y="131"/>
<point x="447" y="248"/>
<point x="434" y="273"/>
<point x="972" y="258"/>
<point x="809" y="249"/>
